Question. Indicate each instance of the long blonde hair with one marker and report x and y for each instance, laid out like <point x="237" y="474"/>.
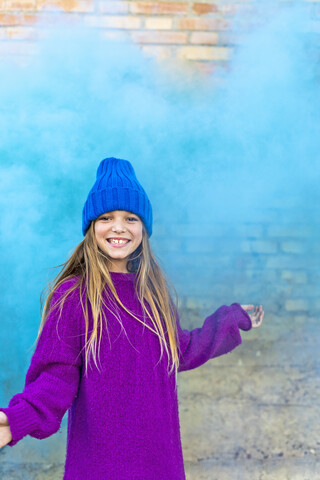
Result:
<point x="88" y="264"/>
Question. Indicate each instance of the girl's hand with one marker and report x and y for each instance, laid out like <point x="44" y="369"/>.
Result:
<point x="5" y="432"/>
<point x="256" y="316"/>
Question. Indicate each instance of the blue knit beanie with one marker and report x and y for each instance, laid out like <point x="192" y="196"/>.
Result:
<point x="116" y="188"/>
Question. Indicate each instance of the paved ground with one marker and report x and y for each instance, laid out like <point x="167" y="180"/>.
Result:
<point x="250" y="415"/>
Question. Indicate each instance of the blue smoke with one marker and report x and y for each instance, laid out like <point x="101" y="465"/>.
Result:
<point x="206" y="154"/>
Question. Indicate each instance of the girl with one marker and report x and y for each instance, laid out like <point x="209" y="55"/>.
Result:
<point x="123" y="421"/>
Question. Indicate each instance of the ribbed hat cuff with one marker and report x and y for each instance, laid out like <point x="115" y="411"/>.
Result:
<point x="117" y="198"/>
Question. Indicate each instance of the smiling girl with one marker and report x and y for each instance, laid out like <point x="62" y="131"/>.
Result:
<point x="112" y="300"/>
<point x="118" y="234"/>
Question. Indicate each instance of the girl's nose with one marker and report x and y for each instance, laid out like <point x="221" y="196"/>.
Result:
<point x="119" y="227"/>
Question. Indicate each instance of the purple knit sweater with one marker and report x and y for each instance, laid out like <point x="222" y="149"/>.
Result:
<point x="123" y="423"/>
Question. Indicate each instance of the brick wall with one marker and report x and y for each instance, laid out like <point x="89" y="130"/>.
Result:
<point x="273" y="261"/>
<point x="200" y="33"/>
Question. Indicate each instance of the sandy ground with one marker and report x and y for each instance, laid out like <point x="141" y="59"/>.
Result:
<point x="249" y="415"/>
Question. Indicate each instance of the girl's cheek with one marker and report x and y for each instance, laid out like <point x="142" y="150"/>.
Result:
<point x="100" y="230"/>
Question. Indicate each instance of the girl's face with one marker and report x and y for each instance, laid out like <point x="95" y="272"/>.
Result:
<point x="118" y="234"/>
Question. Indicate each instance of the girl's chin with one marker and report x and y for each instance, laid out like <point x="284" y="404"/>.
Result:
<point x="117" y="252"/>
<point x="117" y="248"/>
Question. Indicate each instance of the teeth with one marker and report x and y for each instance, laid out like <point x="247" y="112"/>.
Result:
<point x="112" y="240"/>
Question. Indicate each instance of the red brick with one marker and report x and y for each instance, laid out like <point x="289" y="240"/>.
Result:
<point x="202" y="24"/>
<point x="158" y="23"/>
<point x="20" y="5"/>
<point x="109" y="21"/>
<point x="160" y="37"/>
<point x="18" y="19"/>
<point x="113" y="7"/>
<point x="204" y="8"/>
<point x="204" y="38"/>
<point x="66" y="5"/>
<point x="204" y="53"/>
<point x="162" y="8"/>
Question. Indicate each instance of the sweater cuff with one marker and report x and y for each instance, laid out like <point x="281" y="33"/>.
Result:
<point x="243" y="318"/>
<point x="20" y="422"/>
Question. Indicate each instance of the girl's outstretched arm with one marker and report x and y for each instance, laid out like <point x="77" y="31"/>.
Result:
<point x="5" y="432"/>
<point x="53" y="376"/>
<point x="219" y="334"/>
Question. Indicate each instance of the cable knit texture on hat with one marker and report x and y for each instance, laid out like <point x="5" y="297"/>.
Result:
<point x="116" y="188"/>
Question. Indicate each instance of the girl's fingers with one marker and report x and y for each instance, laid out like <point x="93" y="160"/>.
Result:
<point x="256" y="316"/>
<point x="247" y="307"/>
<point x="257" y="322"/>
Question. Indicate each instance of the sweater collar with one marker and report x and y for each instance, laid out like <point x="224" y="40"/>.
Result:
<point x="127" y="277"/>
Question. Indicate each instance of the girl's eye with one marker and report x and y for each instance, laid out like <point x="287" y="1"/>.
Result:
<point x="129" y="218"/>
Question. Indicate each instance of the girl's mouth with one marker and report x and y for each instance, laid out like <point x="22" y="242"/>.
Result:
<point x="118" y="243"/>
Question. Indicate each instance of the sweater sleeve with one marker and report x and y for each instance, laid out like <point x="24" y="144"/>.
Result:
<point x="219" y="334"/>
<point x="53" y="376"/>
